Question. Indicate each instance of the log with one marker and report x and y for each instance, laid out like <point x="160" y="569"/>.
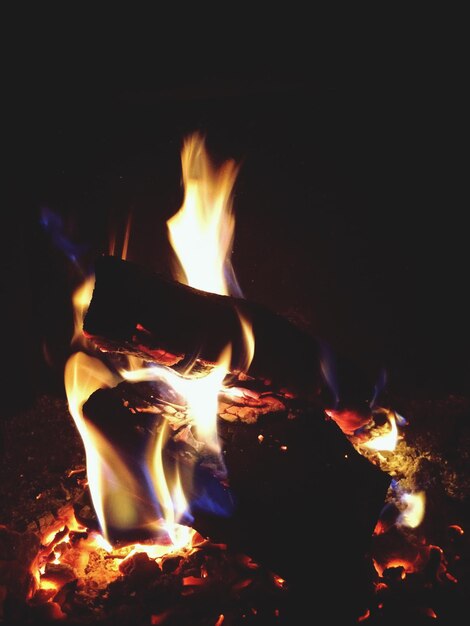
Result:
<point x="298" y="498"/>
<point x="136" y="311"/>
<point x="123" y="418"/>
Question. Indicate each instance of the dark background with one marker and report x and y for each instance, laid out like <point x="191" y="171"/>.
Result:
<point x="350" y="203"/>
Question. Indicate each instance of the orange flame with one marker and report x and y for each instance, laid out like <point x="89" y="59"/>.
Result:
<point x="388" y="441"/>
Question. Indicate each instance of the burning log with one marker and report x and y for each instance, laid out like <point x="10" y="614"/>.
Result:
<point x="136" y="311"/>
<point x="296" y="493"/>
<point x="282" y="457"/>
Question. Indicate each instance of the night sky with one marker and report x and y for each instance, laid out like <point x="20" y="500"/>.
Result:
<point x="350" y="208"/>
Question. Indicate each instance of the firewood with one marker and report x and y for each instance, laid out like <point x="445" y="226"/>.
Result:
<point x="296" y="491"/>
<point x="134" y="310"/>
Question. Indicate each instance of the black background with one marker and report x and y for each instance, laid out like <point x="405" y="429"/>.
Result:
<point x="350" y="203"/>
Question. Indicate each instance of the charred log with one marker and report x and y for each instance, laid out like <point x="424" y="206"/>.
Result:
<point x="134" y="310"/>
<point x="295" y="491"/>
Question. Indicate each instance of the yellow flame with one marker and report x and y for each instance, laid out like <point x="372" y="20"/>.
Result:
<point x="181" y="537"/>
<point x="202" y="234"/>
<point x="201" y="394"/>
<point x="202" y="397"/>
<point x="48" y="584"/>
<point x="388" y="441"/>
<point x="162" y="488"/>
<point x="413" y="514"/>
<point x="202" y="231"/>
<point x="81" y="301"/>
<point x="249" y="341"/>
<point x="113" y="488"/>
<point x="101" y="542"/>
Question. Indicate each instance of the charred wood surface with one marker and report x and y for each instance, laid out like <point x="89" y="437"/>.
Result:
<point x="134" y="310"/>
<point x="297" y="495"/>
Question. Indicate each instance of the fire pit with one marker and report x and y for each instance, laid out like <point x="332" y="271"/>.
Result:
<point x="213" y="473"/>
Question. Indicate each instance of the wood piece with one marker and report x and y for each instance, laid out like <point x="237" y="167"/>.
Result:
<point x="296" y="493"/>
<point x="134" y="310"/>
<point x="132" y="433"/>
<point x="306" y="504"/>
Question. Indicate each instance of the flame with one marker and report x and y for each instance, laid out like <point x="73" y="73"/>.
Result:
<point x="202" y="398"/>
<point x="249" y="343"/>
<point x="201" y="234"/>
<point x="125" y="244"/>
<point x="202" y="231"/>
<point x="108" y="477"/>
<point x="81" y="301"/>
<point x="173" y="507"/>
<point x="413" y="514"/>
<point x="112" y="247"/>
<point x="201" y="394"/>
<point x="388" y="441"/>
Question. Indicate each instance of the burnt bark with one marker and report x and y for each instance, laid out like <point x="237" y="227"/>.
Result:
<point x="296" y="495"/>
<point x="134" y="310"/>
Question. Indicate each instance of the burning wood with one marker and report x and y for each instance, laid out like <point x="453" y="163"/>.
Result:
<point x="135" y="311"/>
<point x="252" y="508"/>
<point x="214" y="475"/>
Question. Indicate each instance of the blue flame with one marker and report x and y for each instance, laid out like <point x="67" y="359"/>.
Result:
<point x="211" y="496"/>
<point x="54" y="226"/>
<point x="328" y="368"/>
<point x="379" y="387"/>
<point x="401" y="421"/>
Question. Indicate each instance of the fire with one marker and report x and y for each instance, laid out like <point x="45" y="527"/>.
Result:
<point x="202" y="231"/>
<point x="413" y="514"/>
<point x="388" y="441"/>
<point x="81" y="300"/>
<point x="108" y="478"/>
<point x="201" y="394"/>
<point x="202" y="234"/>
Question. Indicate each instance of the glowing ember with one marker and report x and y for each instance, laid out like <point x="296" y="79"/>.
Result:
<point x="397" y="563"/>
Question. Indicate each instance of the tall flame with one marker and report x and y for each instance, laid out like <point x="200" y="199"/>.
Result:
<point x="83" y="376"/>
<point x="202" y="234"/>
<point x="202" y="231"/>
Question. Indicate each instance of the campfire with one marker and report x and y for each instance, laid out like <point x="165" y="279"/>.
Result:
<point x="217" y="475"/>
